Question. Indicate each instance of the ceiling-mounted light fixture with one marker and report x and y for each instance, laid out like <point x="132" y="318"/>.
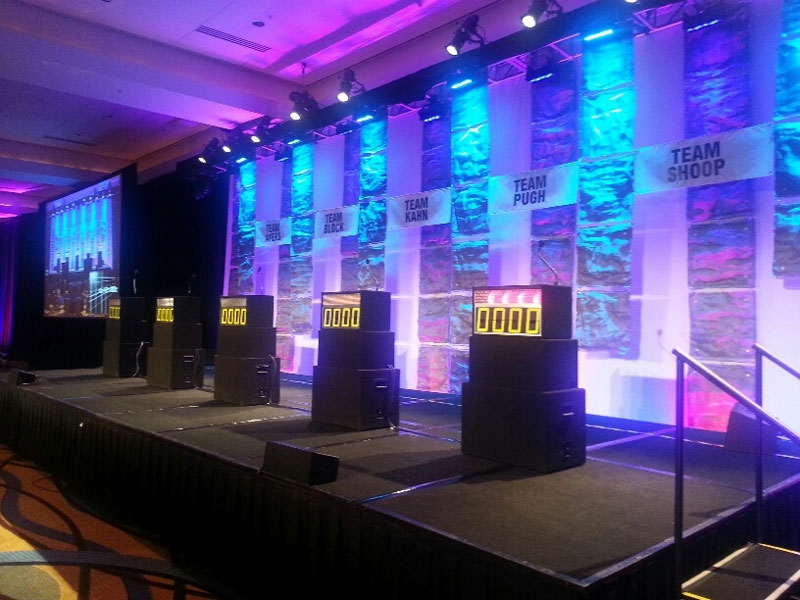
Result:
<point x="349" y="86"/>
<point x="210" y="153"/>
<point x="468" y="32"/>
<point x="261" y="131"/>
<point x="304" y="103"/>
<point x="541" y="10"/>
<point x="435" y="109"/>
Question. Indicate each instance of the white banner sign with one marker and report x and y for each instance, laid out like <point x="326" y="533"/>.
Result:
<point x="336" y="222"/>
<point x="416" y="210"/>
<point x="273" y="233"/>
<point x="556" y="186"/>
<point x="740" y="154"/>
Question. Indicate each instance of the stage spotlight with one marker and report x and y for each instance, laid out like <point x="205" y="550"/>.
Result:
<point x="631" y="1"/>
<point x="468" y="32"/>
<point x="598" y="35"/>
<point x="304" y="103"/>
<point x="210" y="153"/>
<point x="261" y="131"/>
<point x="539" y="10"/>
<point x="434" y="110"/>
<point x="349" y="86"/>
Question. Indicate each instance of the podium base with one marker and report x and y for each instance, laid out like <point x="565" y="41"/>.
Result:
<point x="541" y="431"/>
<point x="175" y="368"/>
<point x="356" y="398"/>
<point x="247" y="381"/>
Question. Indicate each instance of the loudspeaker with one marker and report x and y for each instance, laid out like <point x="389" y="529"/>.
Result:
<point x="523" y="363"/>
<point x="356" y="398"/>
<point x="127" y="331"/>
<point x="247" y="342"/>
<point x="17" y="377"/>
<point x="177" y="335"/>
<point x="247" y="381"/>
<point x="541" y="431"/>
<point x="175" y="369"/>
<point x="354" y="349"/>
<point x="741" y="434"/>
<point x="299" y="464"/>
<point x="119" y="360"/>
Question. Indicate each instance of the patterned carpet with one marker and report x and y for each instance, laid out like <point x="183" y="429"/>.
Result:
<point x="50" y="550"/>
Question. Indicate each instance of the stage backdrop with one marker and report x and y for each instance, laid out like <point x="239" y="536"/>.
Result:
<point x="642" y="170"/>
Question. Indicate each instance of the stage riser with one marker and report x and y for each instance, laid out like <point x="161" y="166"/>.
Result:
<point x="227" y="521"/>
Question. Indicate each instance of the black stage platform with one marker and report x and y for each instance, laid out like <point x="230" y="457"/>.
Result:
<point x="409" y="514"/>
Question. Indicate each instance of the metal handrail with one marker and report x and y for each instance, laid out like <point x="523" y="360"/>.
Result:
<point x="754" y="407"/>
<point x="761" y="351"/>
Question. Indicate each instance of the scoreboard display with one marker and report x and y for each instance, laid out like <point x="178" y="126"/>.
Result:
<point x="364" y="310"/>
<point x="528" y="311"/>
<point x="178" y="309"/>
<point x="509" y="311"/>
<point x="114" y="309"/>
<point x="341" y="311"/>
<point x="246" y="311"/>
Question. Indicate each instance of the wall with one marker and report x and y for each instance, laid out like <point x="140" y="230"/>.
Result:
<point x="655" y="252"/>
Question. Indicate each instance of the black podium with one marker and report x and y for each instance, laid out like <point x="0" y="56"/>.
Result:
<point x="522" y="404"/>
<point x="246" y="370"/>
<point x="176" y="359"/>
<point x="355" y="383"/>
<point x="128" y="334"/>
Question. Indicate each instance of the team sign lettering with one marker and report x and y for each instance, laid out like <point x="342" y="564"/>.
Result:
<point x="416" y="210"/>
<point x="273" y="233"/>
<point x="336" y="222"/>
<point x="557" y="186"/>
<point x="743" y="154"/>
<point x="530" y="190"/>
<point x="695" y="161"/>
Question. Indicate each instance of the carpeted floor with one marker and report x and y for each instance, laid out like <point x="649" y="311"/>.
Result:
<point x="51" y="550"/>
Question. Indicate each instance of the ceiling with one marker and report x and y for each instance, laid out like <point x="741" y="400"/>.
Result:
<point x="90" y="86"/>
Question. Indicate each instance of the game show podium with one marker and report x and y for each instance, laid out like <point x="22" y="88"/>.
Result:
<point x="355" y="383"/>
<point x="176" y="359"/>
<point x="246" y="370"/>
<point x="128" y="334"/>
<point x="521" y="404"/>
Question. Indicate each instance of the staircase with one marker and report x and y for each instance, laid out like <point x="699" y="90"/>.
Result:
<point x="758" y="571"/>
<point x="755" y="572"/>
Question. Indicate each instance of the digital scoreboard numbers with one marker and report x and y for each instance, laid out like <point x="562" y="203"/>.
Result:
<point x="165" y="310"/>
<point x="507" y="311"/>
<point x="114" y="309"/>
<point x="341" y="311"/>
<point x="233" y="312"/>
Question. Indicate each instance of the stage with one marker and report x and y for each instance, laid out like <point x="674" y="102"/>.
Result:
<point x="408" y="514"/>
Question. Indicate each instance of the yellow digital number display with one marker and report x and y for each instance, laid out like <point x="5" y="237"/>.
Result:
<point x="165" y="314"/>
<point x="233" y="316"/>
<point x="341" y="317"/>
<point x="507" y="311"/>
<point x="114" y="312"/>
<point x="508" y="320"/>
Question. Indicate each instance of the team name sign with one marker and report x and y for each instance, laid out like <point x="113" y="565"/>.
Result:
<point x="742" y="154"/>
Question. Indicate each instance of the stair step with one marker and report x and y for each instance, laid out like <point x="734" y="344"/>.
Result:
<point x="754" y="572"/>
